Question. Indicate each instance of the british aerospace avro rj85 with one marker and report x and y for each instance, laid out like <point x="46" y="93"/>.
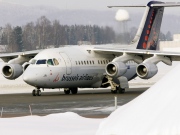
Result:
<point x="76" y="67"/>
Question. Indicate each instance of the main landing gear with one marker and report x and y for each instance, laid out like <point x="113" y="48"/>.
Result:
<point x="118" y="90"/>
<point x="118" y="87"/>
<point x="70" y="90"/>
<point x="36" y="92"/>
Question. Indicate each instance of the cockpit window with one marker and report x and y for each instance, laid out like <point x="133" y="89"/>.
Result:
<point x="55" y="61"/>
<point x="41" y="62"/>
<point x="50" y="62"/>
<point x="32" y="61"/>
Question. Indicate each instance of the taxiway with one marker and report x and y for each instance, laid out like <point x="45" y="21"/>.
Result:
<point x="88" y="103"/>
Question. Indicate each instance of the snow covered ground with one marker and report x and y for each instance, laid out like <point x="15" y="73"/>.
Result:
<point x="55" y="124"/>
<point x="155" y="112"/>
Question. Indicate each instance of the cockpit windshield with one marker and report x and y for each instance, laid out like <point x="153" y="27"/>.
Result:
<point x="41" y="62"/>
<point x="52" y="62"/>
<point x="55" y="61"/>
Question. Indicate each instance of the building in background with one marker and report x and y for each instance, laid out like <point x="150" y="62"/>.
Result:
<point x="173" y="46"/>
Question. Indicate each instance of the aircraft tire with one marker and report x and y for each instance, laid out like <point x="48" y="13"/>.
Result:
<point x="74" y="90"/>
<point x="66" y="92"/>
<point x="113" y="91"/>
<point x="38" y="92"/>
<point x="34" y="92"/>
<point x="121" y="90"/>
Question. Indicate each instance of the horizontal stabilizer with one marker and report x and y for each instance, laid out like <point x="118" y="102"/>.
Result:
<point x="124" y="6"/>
<point x="165" y="4"/>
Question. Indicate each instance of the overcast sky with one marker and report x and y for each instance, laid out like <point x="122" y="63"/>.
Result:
<point x="80" y="4"/>
<point x="97" y="5"/>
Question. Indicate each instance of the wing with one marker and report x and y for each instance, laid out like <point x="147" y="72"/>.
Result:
<point x="174" y="56"/>
<point x="6" y="57"/>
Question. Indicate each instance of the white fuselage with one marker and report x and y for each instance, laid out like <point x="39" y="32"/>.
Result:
<point x="76" y="67"/>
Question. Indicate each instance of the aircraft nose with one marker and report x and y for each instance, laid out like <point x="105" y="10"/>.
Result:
<point x="28" y="78"/>
<point x="25" y="78"/>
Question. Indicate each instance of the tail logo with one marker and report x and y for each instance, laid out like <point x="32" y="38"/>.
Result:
<point x="147" y="44"/>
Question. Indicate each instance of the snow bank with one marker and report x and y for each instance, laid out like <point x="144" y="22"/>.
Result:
<point x="155" y="112"/>
<point x="56" y="124"/>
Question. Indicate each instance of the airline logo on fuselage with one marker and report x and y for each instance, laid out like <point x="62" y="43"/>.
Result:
<point x="77" y="78"/>
<point x="56" y="79"/>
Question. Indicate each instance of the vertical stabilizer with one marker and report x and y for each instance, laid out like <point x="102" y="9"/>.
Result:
<point x="149" y="36"/>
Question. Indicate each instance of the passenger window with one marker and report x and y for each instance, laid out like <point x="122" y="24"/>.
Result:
<point x="50" y="62"/>
<point x="93" y="62"/>
<point x="55" y="61"/>
<point x="79" y="63"/>
<point x="87" y="62"/>
<point x="90" y="62"/>
<point x="82" y="62"/>
<point x="41" y="62"/>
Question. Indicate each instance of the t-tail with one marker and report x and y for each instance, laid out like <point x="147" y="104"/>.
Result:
<point x="147" y="36"/>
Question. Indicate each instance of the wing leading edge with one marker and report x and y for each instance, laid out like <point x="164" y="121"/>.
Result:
<point x="174" y="56"/>
<point x="6" y="57"/>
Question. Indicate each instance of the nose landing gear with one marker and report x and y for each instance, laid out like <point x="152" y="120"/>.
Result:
<point x="36" y="92"/>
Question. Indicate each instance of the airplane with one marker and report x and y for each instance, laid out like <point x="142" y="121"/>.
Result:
<point x="94" y="66"/>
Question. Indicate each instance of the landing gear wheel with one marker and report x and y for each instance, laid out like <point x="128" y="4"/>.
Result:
<point x="66" y="92"/>
<point x="121" y="90"/>
<point x="74" y="90"/>
<point x="34" y="92"/>
<point x="38" y="93"/>
<point x="113" y="91"/>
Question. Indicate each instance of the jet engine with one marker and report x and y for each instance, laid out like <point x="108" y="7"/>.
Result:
<point x="116" y="69"/>
<point x="146" y="70"/>
<point x="12" y="71"/>
<point x="25" y="66"/>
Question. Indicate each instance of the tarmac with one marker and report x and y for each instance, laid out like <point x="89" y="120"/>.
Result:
<point x="88" y="103"/>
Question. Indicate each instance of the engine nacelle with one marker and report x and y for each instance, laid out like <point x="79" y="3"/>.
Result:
<point x="116" y="69"/>
<point x="146" y="70"/>
<point x="12" y="71"/>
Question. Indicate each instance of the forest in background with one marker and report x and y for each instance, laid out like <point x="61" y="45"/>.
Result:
<point x="45" y="33"/>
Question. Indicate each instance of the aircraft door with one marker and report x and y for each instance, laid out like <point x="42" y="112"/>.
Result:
<point x="67" y="62"/>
